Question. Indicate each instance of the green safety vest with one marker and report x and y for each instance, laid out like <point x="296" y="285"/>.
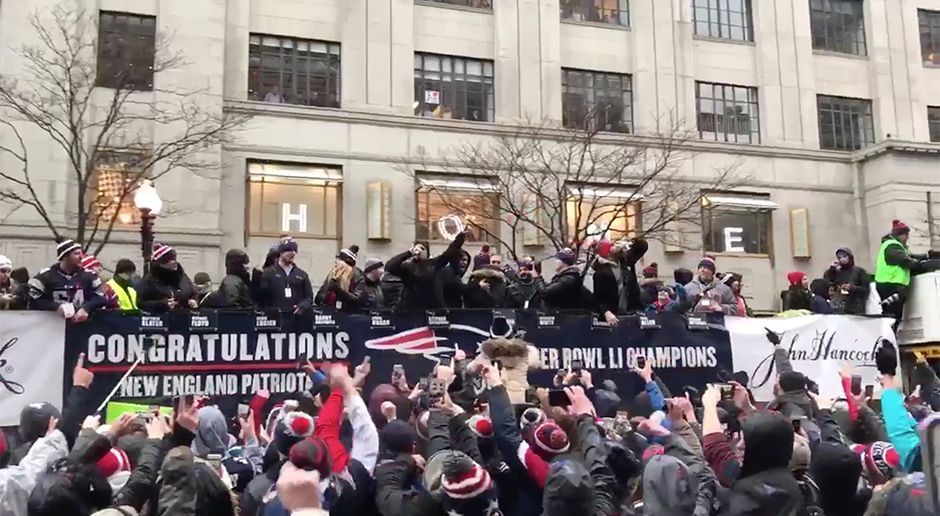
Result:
<point x="127" y="299"/>
<point x="885" y="273"/>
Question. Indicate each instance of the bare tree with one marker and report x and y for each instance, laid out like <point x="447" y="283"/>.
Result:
<point x="562" y="187"/>
<point x="129" y="130"/>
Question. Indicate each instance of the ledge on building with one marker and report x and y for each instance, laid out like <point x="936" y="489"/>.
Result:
<point x="833" y="53"/>
<point x="713" y="39"/>
<point x="898" y="146"/>
<point x="465" y="8"/>
<point x="600" y="25"/>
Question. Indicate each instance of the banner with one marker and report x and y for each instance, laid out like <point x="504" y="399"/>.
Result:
<point x="250" y="351"/>
<point x="817" y="346"/>
<point x="31" y="346"/>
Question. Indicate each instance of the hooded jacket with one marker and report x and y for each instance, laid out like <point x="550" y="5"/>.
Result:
<point x="765" y="486"/>
<point x="857" y="283"/>
<point x="492" y="297"/>
<point x="836" y="469"/>
<point x="162" y="284"/>
<point x="421" y="279"/>
<point x="566" y="291"/>
<point x="17" y="482"/>
<point x="235" y="291"/>
<point x="526" y="293"/>
<point x="715" y="290"/>
<point x="451" y="278"/>
<point x="668" y="487"/>
<point x="820" y="303"/>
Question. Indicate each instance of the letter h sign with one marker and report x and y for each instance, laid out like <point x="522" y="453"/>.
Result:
<point x="287" y="216"/>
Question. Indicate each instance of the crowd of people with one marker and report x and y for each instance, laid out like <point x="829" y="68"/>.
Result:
<point x="414" y="280"/>
<point x="460" y="442"/>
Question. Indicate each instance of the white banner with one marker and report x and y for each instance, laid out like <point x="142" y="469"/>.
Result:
<point x="817" y="346"/>
<point x="31" y="353"/>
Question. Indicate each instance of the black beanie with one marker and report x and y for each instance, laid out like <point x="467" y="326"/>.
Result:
<point x="125" y="266"/>
<point x="399" y="437"/>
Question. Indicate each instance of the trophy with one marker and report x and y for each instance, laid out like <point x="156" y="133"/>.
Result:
<point x="449" y="226"/>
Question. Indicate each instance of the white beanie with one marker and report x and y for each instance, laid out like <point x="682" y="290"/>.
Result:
<point x="5" y="262"/>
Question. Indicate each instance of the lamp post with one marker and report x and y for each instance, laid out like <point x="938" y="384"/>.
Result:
<point x="148" y="202"/>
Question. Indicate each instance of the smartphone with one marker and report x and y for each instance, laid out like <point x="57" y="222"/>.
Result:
<point x="797" y="425"/>
<point x="727" y="391"/>
<point x="185" y="400"/>
<point x="423" y="384"/>
<point x="436" y="390"/>
<point x="576" y="366"/>
<point x="398" y="371"/>
<point x="558" y="398"/>
<point x="856" y="384"/>
<point x="302" y="361"/>
<point x="640" y="362"/>
<point x="622" y="416"/>
<point x="243" y="410"/>
<point x="869" y="391"/>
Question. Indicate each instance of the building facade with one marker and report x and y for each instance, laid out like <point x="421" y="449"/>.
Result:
<point x="830" y="107"/>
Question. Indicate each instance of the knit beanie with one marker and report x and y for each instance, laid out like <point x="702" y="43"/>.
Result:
<point x="880" y="461"/>
<point x="293" y="428"/>
<point x="899" y="228"/>
<point x="286" y="244"/>
<point x="707" y="263"/>
<point x="651" y="271"/>
<point x="399" y="437"/>
<point x="682" y="276"/>
<point x="549" y="440"/>
<point x="567" y="256"/>
<point x="65" y="246"/>
<point x="311" y="454"/>
<point x="90" y="263"/>
<point x="795" y="278"/>
<point x="114" y="461"/>
<point x="532" y="416"/>
<point x="349" y="255"/>
<point x="163" y="253"/>
<point x="125" y="266"/>
<point x="481" y="426"/>
<point x="467" y="487"/>
<point x="5" y="263"/>
<point x="482" y="259"/>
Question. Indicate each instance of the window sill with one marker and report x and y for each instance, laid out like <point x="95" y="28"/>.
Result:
<point x="714" y="140"/>
<point x="465" y="8"/>
<point x="600" y="25"/>
<point x="832" y="53"/>
<point x="714" y="39"/>
<point x="932" y="65"/>
<point x="739" y="255"/>
<point x="295" y="235"/>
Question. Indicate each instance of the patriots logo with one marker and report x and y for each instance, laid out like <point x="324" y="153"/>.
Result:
<point x="421" y="341"/>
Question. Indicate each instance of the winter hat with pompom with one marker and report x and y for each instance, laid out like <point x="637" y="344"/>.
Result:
<point x="293" y="428"/>
<point x="467" y="487"/>
<point x="481" y="426"/>
<point x="549" y="440"/>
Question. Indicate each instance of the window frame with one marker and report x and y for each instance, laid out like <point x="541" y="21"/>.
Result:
<point x="752" y="94"/>
<point x="829" y="25"/>
<point x="423" y="192"/>
<point x="598" y="194"/>
<point x="721" y="27"/>
<point x="487" y="4"/>
<point x="929" y="39"/>
<point x="325" y="181"/>
<point x="487" y="93"/>
<point x="869" y="136"/>
<point x="568" y="9"/>
<point x="105" y="159"/>
<point x="117" y="75"/>
<point x="296" y="72"/>
<point x="764" y="221"/>
<point x="626" y="91"/>
<point x="933" y="123"/>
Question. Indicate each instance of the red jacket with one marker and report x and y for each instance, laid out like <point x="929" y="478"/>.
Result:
<point x="327" y="428"/>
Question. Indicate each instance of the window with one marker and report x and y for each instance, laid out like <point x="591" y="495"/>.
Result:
<point x="126" y="49"/>
<point x="614" y="12"/>
<point x="453" y="87"/>
<point x="303" y="200"/>
<point x="838" y="26"/>
<point x="727" y="113"/>
<point x="727" y="19"/>
<point x="293" y="71"/>
<point x="929" y="36"/>
<point x="596" y="101"/>
<point x="602" y="212"/>
<point x="112" y="185"/>
<point x="933" y="121"/>
<point x="844" y="123"/>
<point x="469" y="198"/>
<point x="479" y="4"/>
<point x="737" y="224"/>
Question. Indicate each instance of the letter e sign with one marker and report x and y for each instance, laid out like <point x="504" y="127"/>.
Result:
<point x="734" y="240"/>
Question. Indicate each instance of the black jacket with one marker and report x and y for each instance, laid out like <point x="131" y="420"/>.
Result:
<point x="421" y="279"/>
<point x="856" y="282"/>
<point x="493" y="297"/>
<point x="397" y="491"/>
<point x="274" y="286"/>
<point x="566" y="291"/>
<point x="797" y="298"/>
<point x="52" y="287"/>
<point x="160" y="285"/>
<point x="606" y="287"/>
<point x="452" y="286"/>
<point x="392" y="288"/>
<point x="235" y="289"/>
<point x="526" y="293"/>
<point x="368" y="294"/>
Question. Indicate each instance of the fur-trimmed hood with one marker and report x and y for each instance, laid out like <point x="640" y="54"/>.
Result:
<point x="488" y="274"/>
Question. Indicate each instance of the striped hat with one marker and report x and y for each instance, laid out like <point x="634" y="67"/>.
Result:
<point x="163" y="253"/>
<point x="464" y="479"/>
<point x="90" y="263"/>
<point x="349" y="255"/>
<point x="113" y="462"/>
<point x="65" y="247"/>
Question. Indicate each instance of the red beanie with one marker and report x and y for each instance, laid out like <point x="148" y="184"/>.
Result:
<point x="550" y="439"/>
<point x="652" y="271"/>
<point x="481" y="426"/>
<point x="899" y="228"/>
<point x="112" y="462"/>
<point x="795" y="278"/>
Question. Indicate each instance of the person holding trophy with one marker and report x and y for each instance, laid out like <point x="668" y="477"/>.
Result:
<point x="421" y="274"/>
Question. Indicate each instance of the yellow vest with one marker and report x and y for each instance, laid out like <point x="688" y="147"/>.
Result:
<point x="127" y="299"/>
<point x="885" y="273"/>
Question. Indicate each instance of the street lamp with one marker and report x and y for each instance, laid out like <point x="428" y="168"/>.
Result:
<point x="149" y="204"/>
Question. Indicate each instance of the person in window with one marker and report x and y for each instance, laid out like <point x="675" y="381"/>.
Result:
<point x="285" y="286"/>
<point x="166" y="287"/>
<point x="798" y="295"/>
<point x="119" y="291"/>
<point x="421" y="275"/>
<point x="65" y="287"/>
<point x="274" y="95"/>
<point x="527" y="290"/>
<point x="822" y="292"/>
<point x="851" y="283"/>
<point x="706" y="294"/>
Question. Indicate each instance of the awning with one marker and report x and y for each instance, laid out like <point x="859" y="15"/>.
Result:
<point x="749" y="203"/>
<point x="466" y="184"/>
<point x="284" y="171"/>
<point x="600" y="192"/>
